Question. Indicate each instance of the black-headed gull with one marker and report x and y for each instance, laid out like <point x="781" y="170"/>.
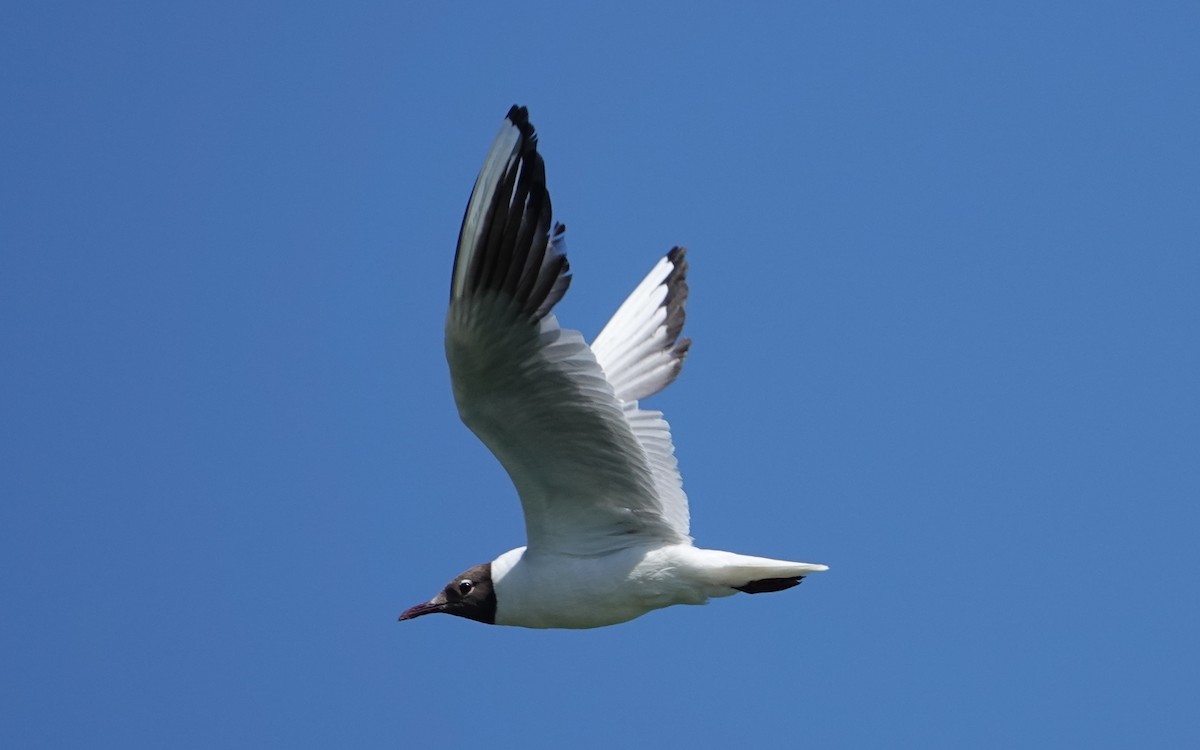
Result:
<point x="606" y="519"/>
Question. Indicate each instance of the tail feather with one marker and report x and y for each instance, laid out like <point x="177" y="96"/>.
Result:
<point x="755" y="575"/>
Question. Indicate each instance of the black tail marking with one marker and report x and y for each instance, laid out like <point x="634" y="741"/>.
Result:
<point x="767" y="585"/>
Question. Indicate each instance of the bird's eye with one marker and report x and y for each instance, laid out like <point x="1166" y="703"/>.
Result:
<point x="465" y="586"/>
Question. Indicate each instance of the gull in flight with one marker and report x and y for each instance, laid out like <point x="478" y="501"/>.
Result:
<point x="606" y="519"/>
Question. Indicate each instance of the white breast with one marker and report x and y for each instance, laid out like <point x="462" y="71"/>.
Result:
<point x="560" y="591"/>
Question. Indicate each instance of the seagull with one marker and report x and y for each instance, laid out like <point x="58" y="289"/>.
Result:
<point x="606" y="518"/>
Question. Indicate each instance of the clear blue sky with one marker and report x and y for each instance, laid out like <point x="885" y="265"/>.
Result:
<point x="945" y="272"/>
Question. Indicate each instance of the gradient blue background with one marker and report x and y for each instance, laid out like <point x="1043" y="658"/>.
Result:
<point x="945" y="269"/>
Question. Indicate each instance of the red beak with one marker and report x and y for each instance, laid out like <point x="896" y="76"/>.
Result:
<point x="428" y="608"/>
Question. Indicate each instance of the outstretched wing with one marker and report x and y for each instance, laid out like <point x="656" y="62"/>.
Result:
<point x="641" y="353"/>
<point x="531" y="391"/>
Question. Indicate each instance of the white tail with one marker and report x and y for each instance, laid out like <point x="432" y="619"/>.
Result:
<point x="737" y="571"/>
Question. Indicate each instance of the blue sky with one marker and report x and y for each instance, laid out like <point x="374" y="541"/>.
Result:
<point x="944" y="272"/>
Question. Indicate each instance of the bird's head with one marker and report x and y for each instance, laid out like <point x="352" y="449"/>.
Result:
<point x="469" y="594"/>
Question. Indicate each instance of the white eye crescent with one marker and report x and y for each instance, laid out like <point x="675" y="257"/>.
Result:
<point x="465" y="586"/>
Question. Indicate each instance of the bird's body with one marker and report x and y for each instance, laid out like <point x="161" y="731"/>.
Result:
<point x="606" y="517"/>
<point x="562" y="591"/>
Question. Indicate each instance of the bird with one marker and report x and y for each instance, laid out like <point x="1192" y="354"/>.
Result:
<point x="606" y="517"/>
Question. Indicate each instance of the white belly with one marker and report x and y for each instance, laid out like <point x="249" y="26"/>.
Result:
<point x="556" y="591"/>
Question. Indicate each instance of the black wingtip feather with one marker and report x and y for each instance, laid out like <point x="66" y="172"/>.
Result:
<point x="676" y="299"/>
<point x="516" y="254"/>
<point x="519" y="116"/>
